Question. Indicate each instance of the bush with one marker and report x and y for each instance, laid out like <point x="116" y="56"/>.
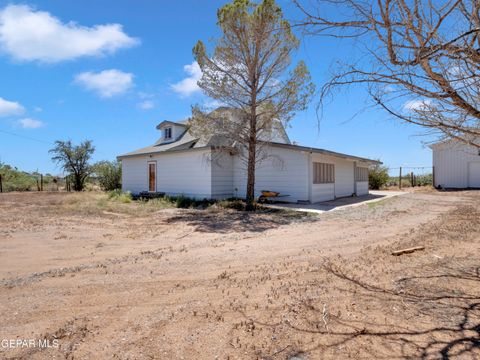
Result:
<point x="424" y="180"/>
<point x="15" y="180"/>
<point x="108" y="174"/>
<point x="184" y="202"/>
<point x="377" y="176"/>
<point x="118" y="195"/>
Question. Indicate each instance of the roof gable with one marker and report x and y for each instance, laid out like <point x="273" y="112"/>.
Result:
<point x="171" y="123"/>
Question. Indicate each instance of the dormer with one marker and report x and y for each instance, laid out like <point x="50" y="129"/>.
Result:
<point x="171" y="131"/>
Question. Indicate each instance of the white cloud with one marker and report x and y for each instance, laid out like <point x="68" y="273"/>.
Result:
<point x="28" y="123"/>
<point x="8" y="108"/>
<point x="415" y="105"/>
<point x="38" y="109"/>
<point x="29" y="35"/>
<point x="106" y="83"/>
<point x="188" y="86"/>
<point x="146" y="105"/>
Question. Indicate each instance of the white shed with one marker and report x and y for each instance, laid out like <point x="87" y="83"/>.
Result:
<point x="456" y="165"/>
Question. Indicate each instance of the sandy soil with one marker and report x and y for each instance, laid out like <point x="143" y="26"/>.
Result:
<point x="125" y="283"/>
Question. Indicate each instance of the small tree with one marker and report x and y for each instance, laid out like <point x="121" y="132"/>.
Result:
<point x="74" y="160"/>
<point x="109" y="174"/>
<point x="377" y="176"/>
<point x="248" y="72"/>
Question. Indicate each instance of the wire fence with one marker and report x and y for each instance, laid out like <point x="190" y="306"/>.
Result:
<point x="411" y="176"/>
<point x="33" y="182"/>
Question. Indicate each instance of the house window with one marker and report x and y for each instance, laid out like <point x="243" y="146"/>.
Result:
<point x="361" y="174"/>
<point x="168" y="133"/>
<point x="323" y="173"/>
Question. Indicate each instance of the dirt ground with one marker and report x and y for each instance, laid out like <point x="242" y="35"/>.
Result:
<point x="128" y="282"/>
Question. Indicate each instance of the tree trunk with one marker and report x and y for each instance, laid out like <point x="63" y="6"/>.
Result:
<point x="78" y="183"/>
<point x="252" y="143"/>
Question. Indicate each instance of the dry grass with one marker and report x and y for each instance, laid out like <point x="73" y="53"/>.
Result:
<point x="201" y="284"/>
<point x="97" y="203"/>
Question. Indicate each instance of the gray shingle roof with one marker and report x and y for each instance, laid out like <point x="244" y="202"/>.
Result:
<point x="186" y="141"/>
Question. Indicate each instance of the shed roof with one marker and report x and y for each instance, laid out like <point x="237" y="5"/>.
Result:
<point x="325" y="152"/>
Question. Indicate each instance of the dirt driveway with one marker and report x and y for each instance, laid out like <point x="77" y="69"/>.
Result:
<point x="126" y="283"/>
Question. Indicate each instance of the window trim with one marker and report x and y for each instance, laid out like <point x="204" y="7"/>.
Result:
<point x="149" y="163"/>
<point x="169" y="129"/>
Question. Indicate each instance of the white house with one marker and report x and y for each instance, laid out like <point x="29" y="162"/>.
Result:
<point x="180" y="164"/>
<point x="456" y="165"/>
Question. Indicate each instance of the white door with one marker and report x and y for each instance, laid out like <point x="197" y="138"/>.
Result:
<point x="474" y="174"/>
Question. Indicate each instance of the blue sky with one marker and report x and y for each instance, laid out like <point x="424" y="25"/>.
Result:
<point x="110" y="71"/>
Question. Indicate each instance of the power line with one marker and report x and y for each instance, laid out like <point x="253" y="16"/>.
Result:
<point x="26" y="137"/>
<point x="37" y="140"/>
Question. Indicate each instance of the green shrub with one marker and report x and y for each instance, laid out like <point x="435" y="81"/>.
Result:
<point x="15" y="180"/>
<point x="424" y="180"/>
<point x="183" y="202"/>
<point x="108" y="174"/>
<point x="377" y="176"/>
<point x="119" y="195"/>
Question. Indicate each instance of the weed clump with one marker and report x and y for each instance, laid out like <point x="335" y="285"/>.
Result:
<point x="119" y="195"/>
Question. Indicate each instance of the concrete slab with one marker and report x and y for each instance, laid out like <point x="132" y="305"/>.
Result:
<point x="338" y="204"/>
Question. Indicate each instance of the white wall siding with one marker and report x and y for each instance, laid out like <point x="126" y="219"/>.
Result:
<point x="344" y="178"/>
<point x="195" y="173"/>
<point x="285" y="171"/>
<point x="222" y="175"/>
<point x="362" y="188"/>
<point x="181" y="173"/>
<point x="451" y="163"/>
<point x="474" y="174"/>
<point x="322" y="192"/>
<point x="135" y="174"/>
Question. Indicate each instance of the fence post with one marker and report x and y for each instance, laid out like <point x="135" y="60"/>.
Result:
<point x="433" y="176"/>
<point x="41" y="182"/>
<point x="400" y="179"/>
<point x="412" y="180"/>
<point x="1" y="186"/>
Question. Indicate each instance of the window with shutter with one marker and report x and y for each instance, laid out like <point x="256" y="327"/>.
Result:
<point x="361" y="174"/>
<point x="323" y="173"/>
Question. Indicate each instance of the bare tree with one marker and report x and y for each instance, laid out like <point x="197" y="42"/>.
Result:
<point x="248" y="73"/>
<point x="421" y="58"/>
